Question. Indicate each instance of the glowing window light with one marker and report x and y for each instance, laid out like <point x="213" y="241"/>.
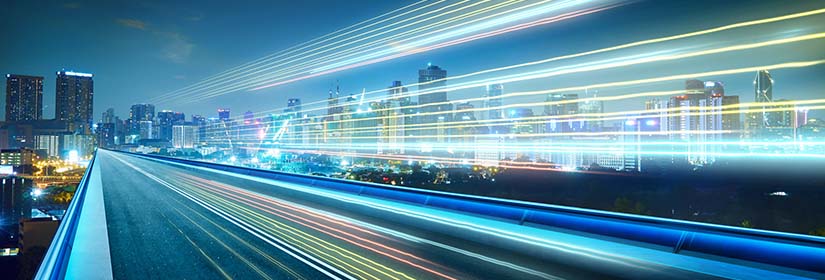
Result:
<point x="76" y="74"/>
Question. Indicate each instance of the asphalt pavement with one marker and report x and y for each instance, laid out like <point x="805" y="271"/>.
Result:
<point x="168" y="221"/>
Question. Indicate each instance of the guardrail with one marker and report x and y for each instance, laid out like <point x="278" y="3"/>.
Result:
<point x="787" y="250"/>
<point x="57" y="257"/>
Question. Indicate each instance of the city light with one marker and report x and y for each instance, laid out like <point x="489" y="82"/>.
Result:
<point x="571" y="138"/>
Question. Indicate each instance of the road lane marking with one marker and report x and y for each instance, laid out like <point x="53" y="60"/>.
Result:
<point x="311" y="261"/>
<point x="229" y="190"/>
<point x="198" y="248"/>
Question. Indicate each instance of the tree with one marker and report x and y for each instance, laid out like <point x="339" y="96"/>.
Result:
<point x="818" y="232"/>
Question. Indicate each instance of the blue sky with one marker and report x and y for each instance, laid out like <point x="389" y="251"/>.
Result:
<point x="141" y="49"/>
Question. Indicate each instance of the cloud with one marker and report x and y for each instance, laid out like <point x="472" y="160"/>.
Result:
<point x="71" y="5"/>
<point x="177" y="47"/>
<point x="132" y="23"/>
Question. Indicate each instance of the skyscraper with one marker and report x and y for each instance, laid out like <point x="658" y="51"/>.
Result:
<point x="562" y="106"/>
<point x="593" y="107"/>
<point x="167" y="119"/>
<point x="184" y="136"/>
<point x="432" y="77"/>
<point x="140" y="113"/>
<point x="108" y="116"/>
<point x="430" y="80"/>
<point x="200" y="122"/>
<point x="494" y="102"/>
<point x="396" y="92"/>
<point x="105" y="135"/>
<point x="763" y="86"/>
<point x="700" y="117"/>
<point x="75" y="101"/>
<point x="759" y="119"/>
<point x="293" y="108"/>
<point x="15" y="204"/>
<point x="24" y="98"/>
<point x="223" y="114"/>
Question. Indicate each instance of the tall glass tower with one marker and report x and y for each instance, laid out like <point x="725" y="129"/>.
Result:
<point x="75" y="100"/>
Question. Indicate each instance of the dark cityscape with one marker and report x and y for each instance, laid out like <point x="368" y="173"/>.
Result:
<point x="413" y="139"/>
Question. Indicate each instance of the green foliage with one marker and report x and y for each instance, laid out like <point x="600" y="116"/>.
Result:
<point x="625" y="205"/>
<point x="818" y="232"/>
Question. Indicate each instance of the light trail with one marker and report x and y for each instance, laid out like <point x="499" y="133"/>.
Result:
<point x="240" y="240"/>
<point x="301" y="63"/>
<point x="211" y="80"/>
<point x="438" y="46"/>
<point x="311" y="261"/>
<point x="467" y="224"/>
<point x="566" y="117"/>
<point x="586" y="117"/>
<point x="510" y="18"/>
<point x="331" y="252"/>
<point x="214" y="79"/>
<point x="306" y="241"/>
<point x="571" y="70"/>
<point x="593" y="66"/>
<point x="609" y="49"/>
<point x="266" y="79"/>
<point x="264" y="203"/>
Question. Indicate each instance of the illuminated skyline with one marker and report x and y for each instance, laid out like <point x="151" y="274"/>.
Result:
<point x="176" y="50"/>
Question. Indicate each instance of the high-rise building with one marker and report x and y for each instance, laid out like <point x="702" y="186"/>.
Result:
<point x="431" y="82"/>
<point x="15" y="204"/>
<point x="16" y="157"/>
<point x="700" y="117"/>
<point x="184" y="136"/>
<point x="394" y="119"/>
<point x="146" y="130"/>
<point x="105" y="135"/>
<point x="248" y="118"/>
<point x="430" y="79"/>
<point x="84" y="145"/>
<point x="591" y="108"/>
<point x="397" y="92"/>
<point x="223" y="114"/>
<point x="140" y="113"/>
<point x="465" y="134"/>
<point x="50" y="144"/>
<point x="293" y="108"/>
<point x="493" y="102"/>
<point x="200" y="122"/>
<point x="561" y="107"/>
<point x="731" y="117"/>
<point x="108" y="116"/>
<point x="763" y="93"/>
<point x="24" y="98"/>
<point x="75" y="101"/>
<point x="165" y="120"/>
<point x="763" y="87"/>
<point x="520" y="122"/>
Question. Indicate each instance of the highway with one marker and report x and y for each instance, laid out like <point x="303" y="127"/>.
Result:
<point x="169" y="221"/>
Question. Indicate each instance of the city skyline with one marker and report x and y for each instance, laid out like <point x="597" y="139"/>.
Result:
<point x="371" y="77"/>
<point x="415" y="139"/>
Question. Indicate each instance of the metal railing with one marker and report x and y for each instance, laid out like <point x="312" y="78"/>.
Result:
<point x="55" y="261"/>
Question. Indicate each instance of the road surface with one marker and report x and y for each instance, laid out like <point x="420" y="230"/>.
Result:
<point x="169" y="221"/>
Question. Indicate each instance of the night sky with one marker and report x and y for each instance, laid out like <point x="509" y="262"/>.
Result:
<point x="142" y="49"/>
